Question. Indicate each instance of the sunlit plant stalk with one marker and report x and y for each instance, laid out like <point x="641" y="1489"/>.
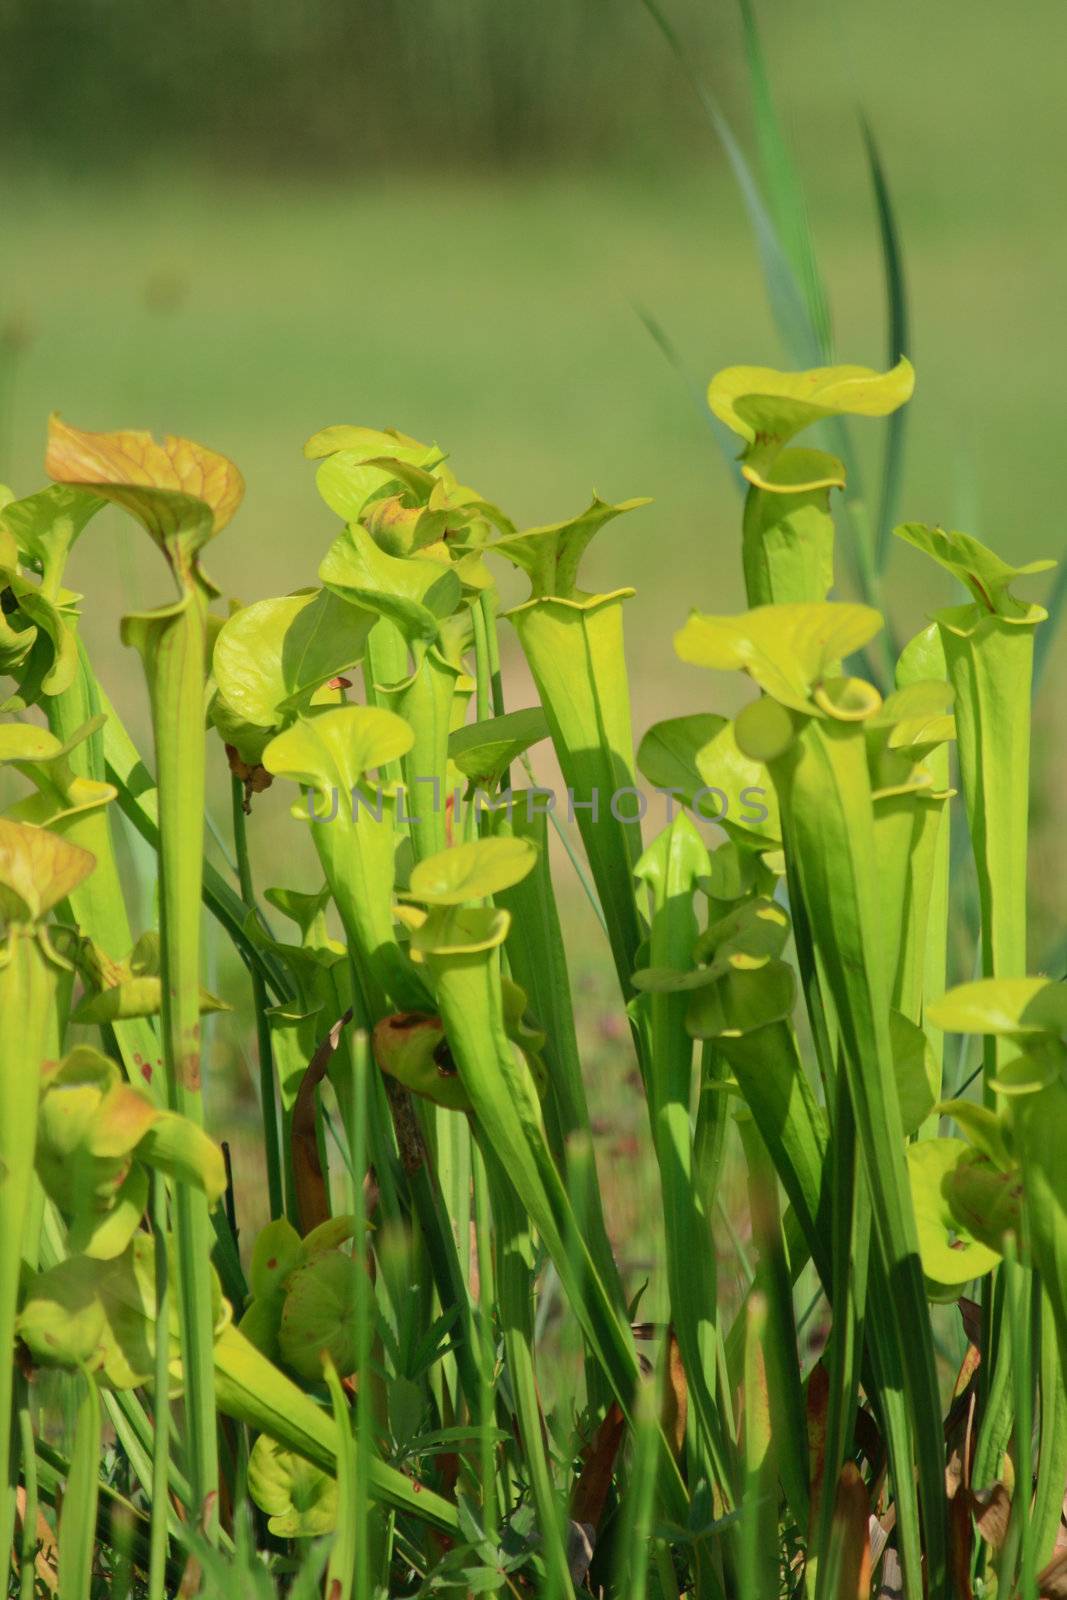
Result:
<point x="670" y="870"/>
<point x="573" y="643"/>
<point x="77" y="1523"/>
<point x="787" y="530"/>
<point x="809" y="730"/>
<point x="37" y="870"/>
<point x="267" y="1091"/>
<point x="989" y="651"/>
<point x="183" y="495"/>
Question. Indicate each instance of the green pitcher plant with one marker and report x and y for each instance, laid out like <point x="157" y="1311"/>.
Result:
<point x="397" y="1341"/>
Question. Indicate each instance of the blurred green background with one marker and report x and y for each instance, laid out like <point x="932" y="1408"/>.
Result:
<point x="245" y="222"/>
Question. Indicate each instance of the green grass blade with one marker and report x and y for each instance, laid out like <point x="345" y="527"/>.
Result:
<point x="1018" y="1292"/>
<point x="536" y="956"/>
<point x="469" y="1003"/>
<point x="484" y="1410"/>
<point x="357" y="1471"/>
<point x="351" y="1530"/>
<point x="161" y="1432"/>
<point x="27" y="1553"/>
<point x="77" y="1524"/>
<point x="898" y="343"/>
<point x="758" y="1575"/>
<point x="27" y="992"/>
<point x="515" y="1255"/>
<point x="849" y="1225"/>
<point x="697" y="391"/>
<point x="785" y="197"/>
<point x="770" y="1074"/>
<point x="785" y="294"/>
<point x="634" y="1541"/>
<point x="1052" y="1458"/>
<point x="785" y="1397"/>
<point x="267" y="1089"/>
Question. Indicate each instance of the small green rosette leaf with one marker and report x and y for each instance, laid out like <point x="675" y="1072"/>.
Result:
<point x="472" y="871"/>
<point x="330" y="754"/>
<point x="483" y="751"/>
<point x="272" y="658"/>
<point x="696" y="759"/>
<point x="951" y="1256"/>
<point x="100" y="1315"/>
<point x="119" y="990"/>
<point x="300" y="1499"/>
<point x="318" y="1315"/>
<point x="94" y="1132"/>
<point x="276" y="1255"/>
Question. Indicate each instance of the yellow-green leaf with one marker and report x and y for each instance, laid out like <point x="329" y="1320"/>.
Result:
<point x="334" y="749"/>
<point x="786" y="649"/>
<point x="760" y="401"/>
<point x="1003" y="1006"/>
<point x="300" y="1499"/>
<point x="37" y="870"/>
<point x="472" y="871"/>
<point x="160" y="483"/>
<point x="951" y="1256"/>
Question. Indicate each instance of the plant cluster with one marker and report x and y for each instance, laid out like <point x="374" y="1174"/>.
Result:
<point x="358" y="1406"/>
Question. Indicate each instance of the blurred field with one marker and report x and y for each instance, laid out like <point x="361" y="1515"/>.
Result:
<point x="483" y="291"/>
<point x="494" y="309"/>
<point x="500" y="319"/>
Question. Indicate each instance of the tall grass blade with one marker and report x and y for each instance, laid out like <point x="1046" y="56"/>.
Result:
<point x="77" y="1527"/>
<point x="1052" y="1455"/>
<point x="634" y="1543"/>
<point x="898" y="343"/>
<point x="785" y="294"/>
<point x="785" y="197"/>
